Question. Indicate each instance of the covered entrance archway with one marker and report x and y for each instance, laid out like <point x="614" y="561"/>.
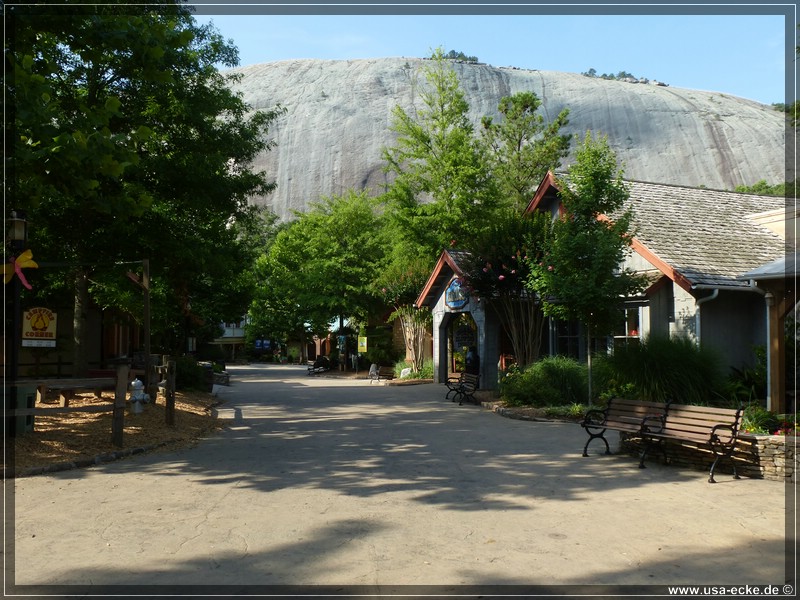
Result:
<point x="460" y="320"/>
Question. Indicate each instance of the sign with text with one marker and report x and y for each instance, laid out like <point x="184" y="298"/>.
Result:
<point x="39" y="328"/>
<point x="362" y="344"/>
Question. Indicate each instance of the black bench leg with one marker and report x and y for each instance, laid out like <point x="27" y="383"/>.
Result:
<point x="643" y="454"/>
<point x="594" y="437"/>
<point x="714" y="466"/>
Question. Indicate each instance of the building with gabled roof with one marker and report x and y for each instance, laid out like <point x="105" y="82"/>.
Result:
<point x="696" y="247"/>
<point x="696" y="244"/>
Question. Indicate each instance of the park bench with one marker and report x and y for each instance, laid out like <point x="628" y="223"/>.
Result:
<point x="67" y="388"/>
<point x="465" y="389"/>
<point x="701" y="426"/>
<point x="621" y="414"/>
<point x="453" y="383"/>
<point x="382" y="374"/>
<point x="320" y="365"/>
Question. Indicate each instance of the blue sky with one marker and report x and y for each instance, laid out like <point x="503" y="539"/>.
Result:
<point x="740" y="55"/>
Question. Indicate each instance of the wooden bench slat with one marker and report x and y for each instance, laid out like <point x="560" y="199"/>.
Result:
<point x="691" y="408"/>
<point x="695" y="425"/>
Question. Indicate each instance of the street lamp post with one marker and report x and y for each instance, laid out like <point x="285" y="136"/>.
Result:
<point x="17" y="239"/>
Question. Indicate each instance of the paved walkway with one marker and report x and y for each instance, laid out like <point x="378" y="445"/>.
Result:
<point x="336" y="482"/>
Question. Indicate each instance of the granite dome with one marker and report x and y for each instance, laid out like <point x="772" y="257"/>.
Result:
<point x="339" y="115"/>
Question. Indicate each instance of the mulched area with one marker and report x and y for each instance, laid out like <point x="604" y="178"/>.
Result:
<point x="69" y="440"/>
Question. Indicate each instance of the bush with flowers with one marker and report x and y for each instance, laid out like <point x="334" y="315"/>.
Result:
<point x="757" y="419"/>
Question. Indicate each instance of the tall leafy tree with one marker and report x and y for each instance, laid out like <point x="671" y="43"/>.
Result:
<point x="399" y="283"/>
<point x="523" y="146"/>
<point x="128" y="143"/>
<point x="322" y="266"/>
<point x="441" y="195"/>
<point x="579" y="276"/>
<point x="442" y="186"/>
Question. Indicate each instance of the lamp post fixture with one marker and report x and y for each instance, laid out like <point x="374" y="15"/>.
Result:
<point x="17" y="236"/>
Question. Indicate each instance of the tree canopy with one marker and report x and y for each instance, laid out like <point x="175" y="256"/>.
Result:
<point x="578" y="276"/>
<point x="128" y="143"/>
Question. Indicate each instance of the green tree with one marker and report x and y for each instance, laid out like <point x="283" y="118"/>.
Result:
<point x="128" y="143"/>
<point x="579" y="276"/>
<point x="442" y="188"/>
<point x="523" y="147"/>
<point x="399" y="282"/>
<point x="764" y="189"/>
<point x="442" y="191"/>
<point x="321" y="266"/>
<point x="276" y="311"/>
<point x="498" y="270"/>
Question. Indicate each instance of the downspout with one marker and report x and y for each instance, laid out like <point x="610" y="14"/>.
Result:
<point x="769" y="300"/>
<point x="697" y="304"/>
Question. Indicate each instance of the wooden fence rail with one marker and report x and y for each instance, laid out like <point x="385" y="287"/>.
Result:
<point x="67" y="386"/>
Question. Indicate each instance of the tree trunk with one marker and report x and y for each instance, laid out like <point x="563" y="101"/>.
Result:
<point x="80" y="330"/>
<point x="414" y="326"/>
<point x="523" y="321"/>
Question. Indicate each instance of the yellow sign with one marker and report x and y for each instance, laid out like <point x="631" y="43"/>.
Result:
<point x="362" y="345"/>
<point x="39" y="328"/>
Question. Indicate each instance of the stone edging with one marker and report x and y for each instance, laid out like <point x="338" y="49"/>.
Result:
<point x="757" y="456"/>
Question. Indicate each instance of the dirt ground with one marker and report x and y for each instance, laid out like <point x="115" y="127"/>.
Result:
<point x="78" y="438"/>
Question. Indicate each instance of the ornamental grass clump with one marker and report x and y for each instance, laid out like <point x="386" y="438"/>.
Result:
<point x="670" y="368"/>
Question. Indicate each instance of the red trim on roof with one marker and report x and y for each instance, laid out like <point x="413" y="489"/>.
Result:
<point x="444" y="260"/>
<point x="548" y="183"/>
<point x="659" y="264"/>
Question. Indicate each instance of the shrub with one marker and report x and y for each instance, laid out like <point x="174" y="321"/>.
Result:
<point x="574" y="411"/>
<point x="190" y="375"/>
<point x="425" y="373"/>
<point x="664" y="368"/>
<point x="757" y="419"/>
<point x="551" y="381"/>
<point x="606" y="382"/>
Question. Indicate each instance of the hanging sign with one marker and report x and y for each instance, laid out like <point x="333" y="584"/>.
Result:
<point x="362" y="344"/>
<point x="456" y="295"/>
<point x="39" y="328"/>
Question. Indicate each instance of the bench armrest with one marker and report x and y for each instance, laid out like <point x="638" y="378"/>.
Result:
<point x="594" y="417"/>
<point x="714" y="438"/>
<point x="653" y="424"/>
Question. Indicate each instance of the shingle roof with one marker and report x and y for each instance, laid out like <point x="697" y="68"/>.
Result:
<point x="707" y="236"/>
<point x="783" y="268"/>
<point x="451" y="262"/>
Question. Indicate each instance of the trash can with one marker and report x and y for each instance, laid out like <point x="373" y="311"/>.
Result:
<point x="26" y="398"/>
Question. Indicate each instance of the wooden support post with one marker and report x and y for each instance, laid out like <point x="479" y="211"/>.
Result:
<point x="118" y="418"/>
<point x="169" y="394"/>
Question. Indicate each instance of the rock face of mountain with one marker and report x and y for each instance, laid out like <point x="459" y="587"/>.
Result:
<point x="339" y="117"/>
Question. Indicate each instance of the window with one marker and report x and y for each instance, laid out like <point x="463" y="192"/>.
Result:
<point x="627" y="330"/>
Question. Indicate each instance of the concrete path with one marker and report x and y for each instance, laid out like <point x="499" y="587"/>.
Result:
<point x="336" y="482"/>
